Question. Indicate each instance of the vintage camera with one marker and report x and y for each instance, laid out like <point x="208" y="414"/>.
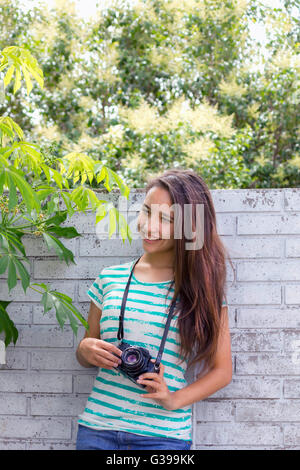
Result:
<point x="135" y="361"/>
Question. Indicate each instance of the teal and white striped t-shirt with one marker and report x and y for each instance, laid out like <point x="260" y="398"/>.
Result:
<point x="115" y="401"/>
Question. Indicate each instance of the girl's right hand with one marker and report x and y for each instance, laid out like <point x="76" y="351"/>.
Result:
<point x="100" y="353"/>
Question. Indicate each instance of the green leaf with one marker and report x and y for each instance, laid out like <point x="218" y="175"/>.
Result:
<point x="67" y="200"/>
<point x="59" y="248"/>
<point x="65" y="232"/>
<point x="29" y="84"/>
<point x="64" y="309"/>
<point x="10" y="127"/>
<point x="8" y="75"/>
<point x="124" y="189"/>
<point x="58" y="178"/>
<point x="19" y="58"/>
<point x="12" y="238"/>
<point x="13" y="200"/>
<point x="17" y="178"/>
<point x="25" y="276"/>
<point x="12" y="274"/>
<point x="2" y="181"/>
<point x="17" y="84"/>
<point x="58" y="218"/>
<point x="7" y="325"/>
<point x="41" y="284"/>
<point x="67" y="301"/>
<point x="47" y="301"/>
<point x="3" y="262"/>
<point x="112" y="221"/>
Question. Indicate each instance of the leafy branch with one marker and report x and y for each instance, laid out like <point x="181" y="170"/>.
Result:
<point x="32" y="203"/>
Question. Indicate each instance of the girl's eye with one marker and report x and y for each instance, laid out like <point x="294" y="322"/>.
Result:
<point x="145" y="209"/>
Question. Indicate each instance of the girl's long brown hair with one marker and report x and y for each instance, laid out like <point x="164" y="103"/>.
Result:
<point x="199" y="274"/>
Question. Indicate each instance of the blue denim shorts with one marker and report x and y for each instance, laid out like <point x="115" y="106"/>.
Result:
<point x="100" y="439"/>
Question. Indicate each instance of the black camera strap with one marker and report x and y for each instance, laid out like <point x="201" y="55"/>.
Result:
<point x="121" y="318"/>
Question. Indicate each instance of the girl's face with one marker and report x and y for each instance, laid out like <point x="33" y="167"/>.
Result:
<point x="156" y="220"/>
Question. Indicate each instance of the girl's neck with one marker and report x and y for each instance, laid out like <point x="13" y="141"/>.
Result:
<point x="160" y="260"/>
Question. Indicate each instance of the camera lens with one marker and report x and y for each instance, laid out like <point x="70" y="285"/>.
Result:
<point x="132" y="358"/>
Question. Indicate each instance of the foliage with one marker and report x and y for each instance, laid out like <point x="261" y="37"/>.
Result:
<point x="153" y="56"/>
<point x="31" y="193"/>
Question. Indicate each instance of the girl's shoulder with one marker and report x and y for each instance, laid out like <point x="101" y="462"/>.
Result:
<point x="118" y="269"/>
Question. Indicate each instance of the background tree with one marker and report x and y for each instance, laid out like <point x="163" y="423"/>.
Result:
<point x="145" y="85"/>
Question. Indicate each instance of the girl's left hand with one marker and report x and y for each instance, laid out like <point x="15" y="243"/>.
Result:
<point x="157" y="388"/>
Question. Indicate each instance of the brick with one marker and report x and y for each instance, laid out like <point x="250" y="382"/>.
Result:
<point x="289" y="270"/>
<point x="15" y="359"/>
<point x="250" y="387"/>
<point x="35" y="382"/>
<point x="266" y="363"/>
<point x="291" y="340"/>
<point x="12" y="444"/>
<point x="12" y="404"/>
<point x="48" y="318"/>
<point x="19" y="427"/>
<point x="268" y="224"/>
<point x="291" y="388"/>
<point x="67" y="287"/>
<point x="54" y="360"/>
<point x="45" y="336"/>
<point x="226" y="224"/>
<point x="214" y="411"/>
<point x="20" y="313"/>
<point x="254" y="293"/>
<point x="284" y="317"/>
<point x="17" y="293"/>
<point x="27" y="265"/>
<point x="254" y="247"/>
<point x="256" y="341"/>
<point x="267" y="410"/>
<point x="292" y="199"/>
<point x="83" y="383"/>
<point x="50" y="445"/>
<point x="291" y="433"/>
<point x="238" y="434"/>
<point x="54" y="269"/>
<point x="34" y="245"/>
<point x="244" y="200"/>
<point x="91" y="245"/>
<point x="292" y="293"/>
<point x="292" y="247"/>
<point x="57" y="405"/>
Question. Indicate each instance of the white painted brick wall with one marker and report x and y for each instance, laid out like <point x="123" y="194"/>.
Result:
<point x="43" y="388"/>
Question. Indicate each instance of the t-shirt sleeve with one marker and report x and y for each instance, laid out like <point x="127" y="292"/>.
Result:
<point x="95" y="291"/>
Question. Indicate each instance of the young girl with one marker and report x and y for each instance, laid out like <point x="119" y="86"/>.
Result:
<point x="119" y="413"/>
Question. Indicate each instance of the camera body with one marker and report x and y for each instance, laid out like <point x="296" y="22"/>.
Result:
<point x="135" y="361"/>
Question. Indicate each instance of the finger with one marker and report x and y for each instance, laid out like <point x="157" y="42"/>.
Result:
<point x="111" y="348"/>
<point x="150" y="375"/>
<point x="106" y="364"/>
<point x="149" y="395"/>
<point x="161" y="368"/>
<point x="100" y="362"/>
<point x="150" y="383"/>
<point x="108" y="358"/>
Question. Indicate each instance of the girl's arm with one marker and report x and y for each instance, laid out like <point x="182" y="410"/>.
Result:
<point x="218" y="376"/>
<point x="93" y="332"/>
